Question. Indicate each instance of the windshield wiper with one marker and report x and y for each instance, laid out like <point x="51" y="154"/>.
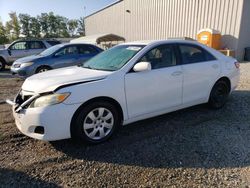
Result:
<point x="88" y="67"/>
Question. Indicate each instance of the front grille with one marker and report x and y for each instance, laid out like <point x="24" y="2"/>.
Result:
<point x="21" y="98"/>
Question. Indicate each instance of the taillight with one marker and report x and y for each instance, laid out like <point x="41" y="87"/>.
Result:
<point x="237" y="64"/>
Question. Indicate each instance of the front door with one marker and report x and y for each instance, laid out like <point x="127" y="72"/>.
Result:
<point x="18" y="50"/>
<point x="158" y="89"/>
<point x="65" y="57"/>
<point x="36" y="47"/>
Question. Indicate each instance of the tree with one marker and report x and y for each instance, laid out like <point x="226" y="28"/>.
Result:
<point x="72" y="26"/>
<point x="13" y="26"/>
<point x="47" y="25"/>
<point x="53" y="25"/>
<point x="43" y="20"/>
<point x="81" y="26"/>
<point x="35" y="27"/>
<point x="62" y="30"/>
<point x="3" y="35"/>
<point x="25" y="20"/>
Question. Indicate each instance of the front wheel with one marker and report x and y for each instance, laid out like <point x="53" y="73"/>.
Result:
<point x="219" y="95"/>
<point x="43" y="69"/>
<point x="2" y="65"/>
<point x="95" y="123"/>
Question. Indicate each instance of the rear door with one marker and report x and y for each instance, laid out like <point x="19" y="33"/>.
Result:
<point x="200" y="71"/>
<point x="36" y="47"/>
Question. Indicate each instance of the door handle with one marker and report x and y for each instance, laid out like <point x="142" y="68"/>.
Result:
<point x="215" y="66"/>
<point x="177" y="73"/>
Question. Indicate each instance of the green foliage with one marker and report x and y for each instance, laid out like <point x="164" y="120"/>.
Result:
<point x="81" y="26"/>
<point x="35" y="27"/>
<point x="25" y="24"/>
<point x="13" y="27"/>
<point x="43" y="20"/>
<point x="47" y="25"/>
<point x="72" y="27"/>
<point x="3" y="35"/>
<point x="53" y="25"/>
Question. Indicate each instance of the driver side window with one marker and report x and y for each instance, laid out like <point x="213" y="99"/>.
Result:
<point x="19" y="46"/>
<point x="160" y="57"/>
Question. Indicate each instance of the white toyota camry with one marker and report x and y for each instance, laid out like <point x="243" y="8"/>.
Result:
<point x="127" y="83"/>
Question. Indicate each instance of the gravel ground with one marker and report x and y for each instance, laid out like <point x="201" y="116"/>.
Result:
<point x="195" y="147"/>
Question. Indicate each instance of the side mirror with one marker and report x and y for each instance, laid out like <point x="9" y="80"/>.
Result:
<point x="56" y="55"/>
<point x="142" y="66"/>
<point x="9" y="51"/>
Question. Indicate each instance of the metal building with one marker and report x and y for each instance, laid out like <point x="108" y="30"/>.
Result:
<point x="161" y="19"/>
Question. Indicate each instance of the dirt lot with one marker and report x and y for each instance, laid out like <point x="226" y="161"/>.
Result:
<point x="195" y="147"/>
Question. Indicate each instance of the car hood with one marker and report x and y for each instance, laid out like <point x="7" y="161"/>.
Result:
<point x="28" y="59"/>
<point x="51" y="80"/>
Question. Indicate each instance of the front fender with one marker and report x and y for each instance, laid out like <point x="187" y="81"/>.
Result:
<point x="108" y="87"/>
<point x="2" y="57"/>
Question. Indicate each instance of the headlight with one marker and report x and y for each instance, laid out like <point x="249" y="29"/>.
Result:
<point x="26" y="64"/>
<point x="49" y="100"/>
<point x="17" y="65"/>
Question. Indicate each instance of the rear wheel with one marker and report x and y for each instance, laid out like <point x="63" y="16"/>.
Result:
<point x="95" y="123"/>
<point x="219" y="95"/>
<point x="43" y="69"/>
<point x="2" y="65"/>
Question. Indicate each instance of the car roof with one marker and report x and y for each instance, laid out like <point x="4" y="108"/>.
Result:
<point x="150" y="42"/>
<point x="73" y="44"/>
<point x="35" y="39"/>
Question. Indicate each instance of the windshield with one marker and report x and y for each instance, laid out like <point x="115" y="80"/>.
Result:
<point x="51" y="50"/>
<point x="114" y="58"/>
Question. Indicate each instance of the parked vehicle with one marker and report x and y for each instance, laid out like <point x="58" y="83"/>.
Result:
<point x="58" y="56"/>
<point x="124" y="84"/>
<point x="22" y="48"/>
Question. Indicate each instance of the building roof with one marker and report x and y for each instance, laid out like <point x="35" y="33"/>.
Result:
<point x="118" y="1"/>
<point x="97" y="39"/>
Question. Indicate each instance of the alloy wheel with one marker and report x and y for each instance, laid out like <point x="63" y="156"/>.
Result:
<point x="98" y="123"/>
<point x="43" y="70"/>
<point x="220" y="95"/>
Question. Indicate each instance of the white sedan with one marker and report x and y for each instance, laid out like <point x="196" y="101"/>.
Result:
<point x="127" y="83"/>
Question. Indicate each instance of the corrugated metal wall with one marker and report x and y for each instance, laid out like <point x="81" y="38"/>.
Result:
<point x="160" y="19"/>
<point x="244" y="37"/>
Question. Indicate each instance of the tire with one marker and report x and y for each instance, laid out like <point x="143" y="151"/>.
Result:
<point x="42" y="69"/>
<point x="2" y="65"/>
<point x="219" y="95"/>
<point x="95" y="123"/>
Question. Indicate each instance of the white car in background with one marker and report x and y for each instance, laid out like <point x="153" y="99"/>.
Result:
<point x="127" y="83"/>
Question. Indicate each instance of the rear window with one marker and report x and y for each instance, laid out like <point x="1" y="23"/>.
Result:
<point x="194" y="54"/>
<point x="86" y="49"/>
<point x="36" y="45"/>
<point x="53" y="42"/>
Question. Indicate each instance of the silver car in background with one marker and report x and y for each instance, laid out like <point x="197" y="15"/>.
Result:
<point x="23" y="48"/>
